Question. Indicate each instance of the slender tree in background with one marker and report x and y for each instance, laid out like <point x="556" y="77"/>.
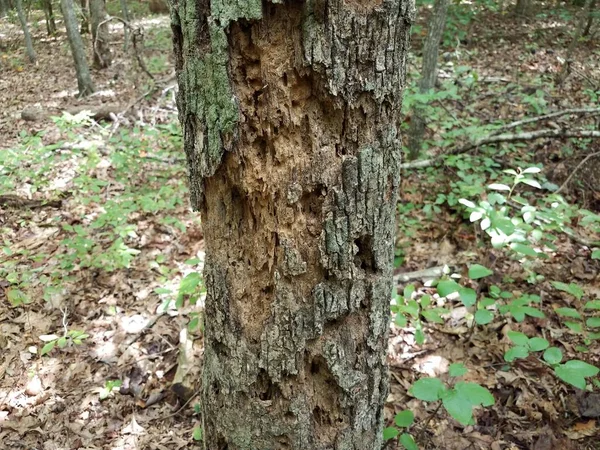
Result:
<point x="523" y="8"/>
<point x="4" y="7"/>
<point x="291" y="117"/>
<point x="85" y="16"/>
<point x="100" y="35"/>
<point x="590" y="20"/>
<point x="49" y="15"/>
<point x="25" y="28"/>
<point x="84" y="80"/>
<point x="437" y="23"/>
<point x="126" y="18"/>
<point x="579" y="28"/>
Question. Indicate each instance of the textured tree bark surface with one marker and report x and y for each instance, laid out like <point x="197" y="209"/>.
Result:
<point x="49" y="15"/>
<point x="84" y="79"/>
<point x="436" y="25"/>
<point x="100" y="36"/>
<point x="291" y="117"/>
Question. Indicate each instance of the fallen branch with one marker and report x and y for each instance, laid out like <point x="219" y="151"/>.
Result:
<point x="579" y="166"/>
<point x="507" y="137"/>
<point x="578" y="111"/>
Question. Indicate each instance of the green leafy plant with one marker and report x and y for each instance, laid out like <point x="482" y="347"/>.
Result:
<point x="71" y="337"/>
<point x="458" y="398"/>
<point x="109" y="387"/>
<point x="402" y="420"/>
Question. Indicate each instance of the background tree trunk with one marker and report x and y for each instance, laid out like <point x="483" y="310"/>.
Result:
<point x="85" y="16"/>
<point x="127" y="18"/>
<point x="84" y="80"/>
<point x="523" y="8"/>
<point x="437" y="23"/>
<point x="291" y="117"/>
<point x="25" y="28"/>
<point x="4" y="7"/>
<point x="100" y="36"/>
<point x="49" y="15"/>
<point x="590" y="19"/>
<point x="583" y="17"/>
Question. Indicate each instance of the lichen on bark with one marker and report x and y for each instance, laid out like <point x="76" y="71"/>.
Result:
<point x="291" y="115"/>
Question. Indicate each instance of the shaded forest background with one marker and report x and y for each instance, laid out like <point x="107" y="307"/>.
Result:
<point x="497" y="250"/>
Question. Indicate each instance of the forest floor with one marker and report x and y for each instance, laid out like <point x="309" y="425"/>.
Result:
<point x="70" y="399"/>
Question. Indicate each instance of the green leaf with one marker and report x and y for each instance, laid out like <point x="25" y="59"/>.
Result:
<point x="404" y="419"/>
<point x="476" y="394"/>
<point x="592" y="304"/>
<point x="47" y="348"/>
<point x="596" y="254"/>
<point x="537" y="344"/>
<point x="523" y="249"/>
<point x="189" y="283"/>
<point x="447" y="287"/>
<point x="457" y="369"/>
<point x="499" y="187"/>
<point x="574" y="372"/>
<point x="574" y="326"/>
<point x="434" y="315"/>
<point x="408" y="442"/>
<point x="400" y="320"/>
<point x="518" y="338"/>
<point x="427" y="389"/>
<point x="517" y="352"/>
<point x="593" y="322"/>
<point x="568" y="312"/>
<point x="468" y="296"/>
<point x="192" y="261"/>
<point x="458" y="407"/>
<point x="553" y="356"/>
<point x="197" y="433"/>
<point x="531" y="170"/>
<point x="408" y="291"/>
<point x="390" y="433"/>
<point x="570" y="288"/>
<point x="483" y="316"/>
<point x="530" y="182"/>
<point x="477" y="271"/>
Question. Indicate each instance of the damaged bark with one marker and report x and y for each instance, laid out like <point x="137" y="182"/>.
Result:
<point x="291" y="119"/>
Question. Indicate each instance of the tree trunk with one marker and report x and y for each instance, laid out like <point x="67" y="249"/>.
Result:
<point x="100" y="36"/>
<point x="291" y="118"/>
<point x="25" y="28"/>
<point x="523" y="7"/>
<point x="85" y="16"/>
<point x="590" y="19"/>
<point x="49" y="15"/>
<point x="126" y="18"/>
<point x="566" y="68"/>
<point x="84" y="80"/>
<point x="437" y="23"/>
<point x="4" y="7"/>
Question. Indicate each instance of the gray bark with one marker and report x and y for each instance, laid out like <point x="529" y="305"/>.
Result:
<point x="26" y="34"/>
<point x="590" y="19"/>
<point x="49" y="15"/>
<point x="126" y="18"/>
<point x="291" y="118"/>
<point x="100" y="35"/>
<point x="437" y="23"/>
<point x="84" y="80"/>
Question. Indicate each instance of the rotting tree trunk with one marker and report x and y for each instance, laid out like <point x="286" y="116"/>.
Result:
<point x="437" y="23"/>
<point x="49" y="15"/>
<point x="100" y="35"/>
<point x="291" y="118"/>
<point x="26" y="33"/>
<point x="84" y="80"/>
